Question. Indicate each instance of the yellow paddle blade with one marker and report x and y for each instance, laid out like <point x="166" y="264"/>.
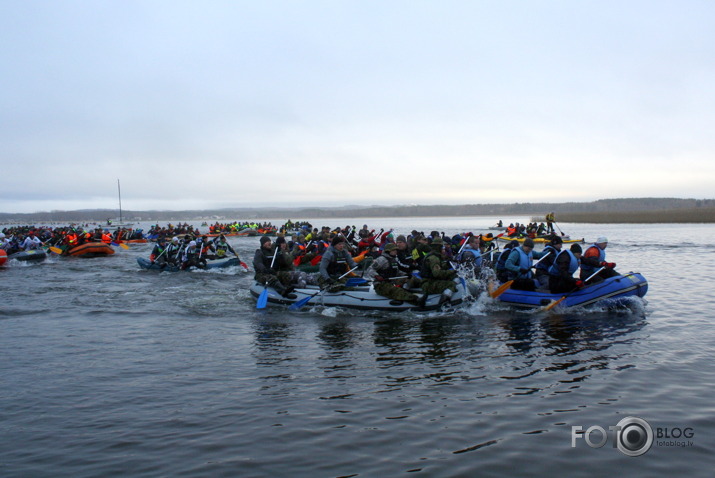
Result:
<point x="56" y="250"/>
<point x="501" y="289"/>
<point x="554" y="304"/>
<point x="123" y="246"/>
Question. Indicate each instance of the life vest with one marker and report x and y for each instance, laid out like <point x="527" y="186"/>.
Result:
<point x="510" y="231"/>
<point x="425" y="270"/>
<point x="221" y="249"/>
<point x="545" y="264"/>
<point x="501" y="262"/>
<point x="392" y="269"/>
<point x="267" y="258"/>
<point x="158" y="250"/>
<point x="525" y="261"/>
<point x="172" y="250"/>
<point x="573" y="264"/>
<point x="189" y="254"/>
<point x="339" y="262"/>
<point x="476" y="253"/>
<point x="587" y="268"/>
<point x="106" y="238"/>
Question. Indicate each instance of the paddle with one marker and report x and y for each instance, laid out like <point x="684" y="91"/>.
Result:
<point x="305" y="300"/>
<point x="263" y="298"/>
<point x="466" y="240"/>
<point x="501" y="289"/>
<point x="54" y="249"/>
<point x="557" y="227"/>
<point x="557" y="302"/>
<point x="162" y="253"/>
<point x="541" y="259"/>
<point x="121" y="244"/>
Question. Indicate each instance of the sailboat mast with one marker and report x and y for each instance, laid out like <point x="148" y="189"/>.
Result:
<point x="119" y="190"/>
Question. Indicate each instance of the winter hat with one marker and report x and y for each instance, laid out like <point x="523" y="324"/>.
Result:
<point x="337" y="240"/>
<point x="265" y="239"/>
<point x="528" y="243"/>
<point x="575" y="248"/>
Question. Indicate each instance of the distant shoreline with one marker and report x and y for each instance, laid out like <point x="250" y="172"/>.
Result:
<point x="673" y="216"/>
<point x="625" y="210"/>
<point x="676" y="216"/>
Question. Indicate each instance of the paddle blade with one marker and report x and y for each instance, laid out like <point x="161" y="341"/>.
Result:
<point x="262" y="299"/>
<point x="244" y="265"/>
<point x="355" y="281"/>
<point x="297" y="305"/>
<point x="123" y="246"/>
<point x="554" y="304"/>
<point x="501" y="289"/>
<point x="56" y="250"/>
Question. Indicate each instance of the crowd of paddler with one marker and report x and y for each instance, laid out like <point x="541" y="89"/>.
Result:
<point x="237" y="227"/>
<point x="396" y="264"/>
<point x="191" y="251"/>
<point x="400" y="264"/>
<point x="61" y="239"/>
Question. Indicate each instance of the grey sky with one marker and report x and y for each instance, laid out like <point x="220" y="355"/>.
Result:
<point x="232" y="103"/>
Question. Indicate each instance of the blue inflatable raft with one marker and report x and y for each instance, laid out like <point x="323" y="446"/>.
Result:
<point x="609" y="292"/>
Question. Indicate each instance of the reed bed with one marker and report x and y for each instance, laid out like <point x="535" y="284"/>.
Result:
<point x="686" y="216"/>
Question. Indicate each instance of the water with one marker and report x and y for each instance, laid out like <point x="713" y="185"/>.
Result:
<point x="108" y="370"/>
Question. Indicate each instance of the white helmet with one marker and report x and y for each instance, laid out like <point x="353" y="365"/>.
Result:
<point x="2" y="235"/>
<point x="175" y="240"/>
<point x="192" y="243"/>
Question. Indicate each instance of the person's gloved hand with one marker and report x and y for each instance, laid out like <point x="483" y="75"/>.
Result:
<point x="579" y="284"/>
<point x="611" y="265"/>
<point x="379" y="278"/>
<point x="524" y="271"/>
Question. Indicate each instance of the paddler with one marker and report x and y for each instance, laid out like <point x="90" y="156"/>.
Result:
<point x="594" y="258"/>
<point x="561" y="271"/>
<point x="336" y="261"/>
<point x="387" y="277"/>
<point x="264" y="263"/>
<point x="518" y="266"/>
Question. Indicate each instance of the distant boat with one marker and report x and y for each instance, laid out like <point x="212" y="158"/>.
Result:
<point x="119" y="222"/>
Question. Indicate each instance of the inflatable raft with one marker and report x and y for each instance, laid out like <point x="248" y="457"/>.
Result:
<point x="91" y="249"/>
<point x="147" y="264"/>
<point x="27" y="256"/>
<point x="3" y="256"/>
<point x="609" y="292"/>
<point x="360" y="297"/>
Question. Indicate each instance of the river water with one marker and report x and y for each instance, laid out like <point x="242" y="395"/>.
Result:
<point x="109" y="370"/>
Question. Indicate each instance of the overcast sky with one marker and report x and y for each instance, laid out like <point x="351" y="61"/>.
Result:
<point x="199" y="104"/>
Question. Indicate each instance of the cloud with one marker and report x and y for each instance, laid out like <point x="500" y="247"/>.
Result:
<point x="334" y="103"/>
